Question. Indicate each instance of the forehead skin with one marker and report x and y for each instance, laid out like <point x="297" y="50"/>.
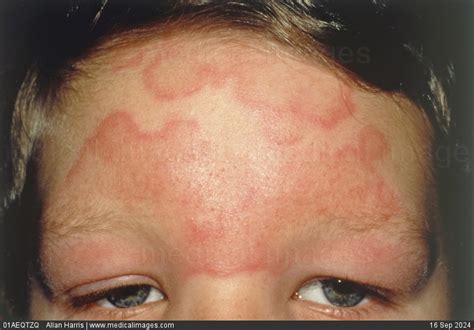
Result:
<point x="231" y="157"/>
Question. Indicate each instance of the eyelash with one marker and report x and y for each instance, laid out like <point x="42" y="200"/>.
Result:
<point x="377" y="296"/>
<point x="87" y="302"/>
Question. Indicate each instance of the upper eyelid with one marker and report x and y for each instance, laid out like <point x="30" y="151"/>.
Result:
<point x="381" y="294"/>
<point x="102" y="287"/>
<point x="94" y="297"/>
<point x="375" y="300"/>
<point x="112" y="283"/>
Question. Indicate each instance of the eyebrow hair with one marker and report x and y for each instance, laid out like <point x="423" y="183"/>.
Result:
<point x="403" y="228"/>
<point x="78" y="225"/>
<point x="420" y="239"/>
<point x="66" y="223"/>
<point x="90" y="224"/>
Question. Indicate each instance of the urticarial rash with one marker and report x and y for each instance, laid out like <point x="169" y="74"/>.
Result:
<point x="321" y="101"/>
<point x="262" y="86"/>
<point x="145" y="170"/>
<point x="302" y="108"/>
<point x="162" y="79"/>
<point x="227" y="191"/>
<point x="228" y="207"/>
<point x="349" y="183"/>
<point x="130" y="164"/>
<point x="340" y="107"/>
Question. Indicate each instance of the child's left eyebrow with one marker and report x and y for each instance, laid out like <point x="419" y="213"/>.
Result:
<point x="137" y="167"/>
<point x="224" y="195"/>
<point x="368" y="255"/>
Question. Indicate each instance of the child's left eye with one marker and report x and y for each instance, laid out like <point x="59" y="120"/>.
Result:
<point x="334" y="292"/>
<point x="130" y="296"/>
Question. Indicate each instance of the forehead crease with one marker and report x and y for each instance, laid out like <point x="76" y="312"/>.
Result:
<point x="402" y="229"/>
<point x="68" y="222"/>
<point x="337" y="181"/>
<point x="373" y="222"/>
<point x="406" y="240"/>
<point x="402" y="242"/>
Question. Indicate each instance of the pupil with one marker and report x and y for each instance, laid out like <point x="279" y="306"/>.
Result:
<point x="344" y="287"/>
<point x="342" y="293"/>
<point x="129" y="296"/>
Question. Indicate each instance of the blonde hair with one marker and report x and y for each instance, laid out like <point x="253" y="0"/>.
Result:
<point x="302" y="26"/>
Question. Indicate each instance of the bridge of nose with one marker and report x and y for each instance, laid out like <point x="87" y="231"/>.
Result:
<point x="243" y="297"/>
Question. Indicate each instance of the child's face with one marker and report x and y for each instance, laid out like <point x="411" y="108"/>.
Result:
<point x="228" y="178"/>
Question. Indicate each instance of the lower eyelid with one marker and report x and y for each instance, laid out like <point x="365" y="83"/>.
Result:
<point x="351" y="313"/>
<point x="117" y="314"/>
<point x="370" y="309"/>
<point x="93" y="311"/>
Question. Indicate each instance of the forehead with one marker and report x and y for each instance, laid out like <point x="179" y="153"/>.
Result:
<point x="212" y="142"/>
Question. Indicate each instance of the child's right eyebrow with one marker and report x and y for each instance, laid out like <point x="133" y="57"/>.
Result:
<point x="81" y="212"/>
<point x="411" y="260"/>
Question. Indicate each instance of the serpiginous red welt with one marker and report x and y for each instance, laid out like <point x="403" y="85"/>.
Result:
<point x="233" y="193"/>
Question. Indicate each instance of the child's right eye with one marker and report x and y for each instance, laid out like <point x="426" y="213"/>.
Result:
<point x="131" y="296"/>
<point x="122" y="297"/>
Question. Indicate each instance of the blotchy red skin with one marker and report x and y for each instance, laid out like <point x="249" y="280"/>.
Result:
<point x="326" y="109"/>
<point x="225" y="206"/>
<point x="138" y="169"/>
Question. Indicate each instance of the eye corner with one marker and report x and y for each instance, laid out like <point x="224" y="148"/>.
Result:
<point x="123" y="301"/>
<point x="333" y="292"/>
<point x="342" y="298"/>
